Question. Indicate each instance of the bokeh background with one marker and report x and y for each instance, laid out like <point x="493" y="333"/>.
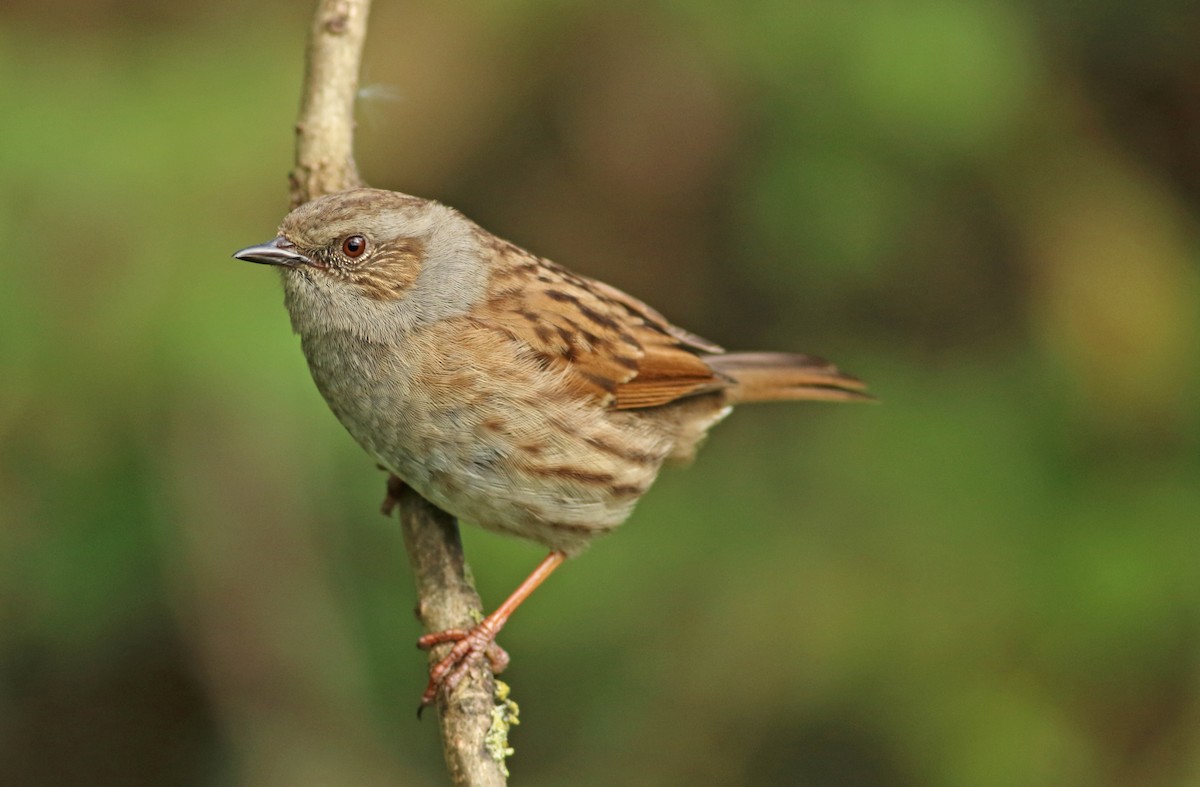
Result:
<point x="985" y="209"/>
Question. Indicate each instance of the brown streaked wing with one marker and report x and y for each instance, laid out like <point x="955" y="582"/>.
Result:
<point x="651" y="315"/>
<point x="613" y="347"/>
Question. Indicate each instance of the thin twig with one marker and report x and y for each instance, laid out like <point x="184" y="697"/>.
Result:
<point x="325" y="128"/>
<point x="447" y="597"/>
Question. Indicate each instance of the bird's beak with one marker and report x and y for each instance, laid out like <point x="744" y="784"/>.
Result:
<point x="280" y="251"/>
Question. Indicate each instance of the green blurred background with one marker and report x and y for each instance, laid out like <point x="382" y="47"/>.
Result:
<point x="987" y="210"/>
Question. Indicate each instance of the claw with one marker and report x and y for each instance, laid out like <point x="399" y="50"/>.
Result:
<point x="473" y="644"/>
<point x="497" y="656"/>
<point x="470" y="647"/>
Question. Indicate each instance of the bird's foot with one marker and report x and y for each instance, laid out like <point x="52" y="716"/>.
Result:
<point x="395" y="488"/>
<point x="470" y="646"/>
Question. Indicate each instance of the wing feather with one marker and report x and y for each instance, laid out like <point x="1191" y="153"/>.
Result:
<point x="608" y="345"/>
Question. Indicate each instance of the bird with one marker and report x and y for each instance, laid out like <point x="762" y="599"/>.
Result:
<point x="500" y="386"/>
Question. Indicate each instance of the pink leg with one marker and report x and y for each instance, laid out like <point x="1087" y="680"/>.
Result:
<point x="473" y="644"/>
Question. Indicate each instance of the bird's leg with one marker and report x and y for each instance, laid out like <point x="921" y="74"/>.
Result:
<point x="470" y="645"/>
<point x="395" y="488"/>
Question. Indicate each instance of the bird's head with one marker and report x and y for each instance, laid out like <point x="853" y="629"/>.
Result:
<point x="374" y="263"/>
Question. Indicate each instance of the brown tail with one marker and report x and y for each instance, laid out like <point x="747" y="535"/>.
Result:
<point x="772" y="377"/>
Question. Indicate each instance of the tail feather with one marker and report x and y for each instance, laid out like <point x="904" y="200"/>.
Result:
<point x="771" y="377"/>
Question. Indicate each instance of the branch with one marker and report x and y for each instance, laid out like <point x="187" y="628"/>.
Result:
<point x="472" y="731"/>
<point x="447" y="601"/>
<point x="325" y="128"/>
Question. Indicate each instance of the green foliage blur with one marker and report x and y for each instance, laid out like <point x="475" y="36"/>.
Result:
<point x="987" y="210"/>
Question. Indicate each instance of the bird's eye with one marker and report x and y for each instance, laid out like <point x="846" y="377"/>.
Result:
<point x="354" y="246"/>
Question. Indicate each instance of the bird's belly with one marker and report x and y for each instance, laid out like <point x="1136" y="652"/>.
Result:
<point x="505" y="457"/>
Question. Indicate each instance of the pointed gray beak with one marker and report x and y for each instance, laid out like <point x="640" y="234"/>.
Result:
<point x="280" y="251"/>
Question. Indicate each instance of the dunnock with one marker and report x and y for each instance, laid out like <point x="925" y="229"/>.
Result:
<point x="500" y="386"/>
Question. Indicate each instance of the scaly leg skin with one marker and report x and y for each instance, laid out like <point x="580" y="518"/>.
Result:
<point x="471" y="645"/>
<point x="395" y="488"/>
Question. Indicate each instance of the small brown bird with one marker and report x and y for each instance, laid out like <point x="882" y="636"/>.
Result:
<point x="500" y="386"/>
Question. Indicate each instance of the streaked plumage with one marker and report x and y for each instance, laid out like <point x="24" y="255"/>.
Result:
<point x="502" y="387"/>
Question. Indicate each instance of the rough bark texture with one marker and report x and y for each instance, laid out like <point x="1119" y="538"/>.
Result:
<point x="446" y="596"/>
<point x="448" y="600"/>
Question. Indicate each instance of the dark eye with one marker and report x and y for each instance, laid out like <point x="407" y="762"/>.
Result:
<point x="354" y="246"/>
